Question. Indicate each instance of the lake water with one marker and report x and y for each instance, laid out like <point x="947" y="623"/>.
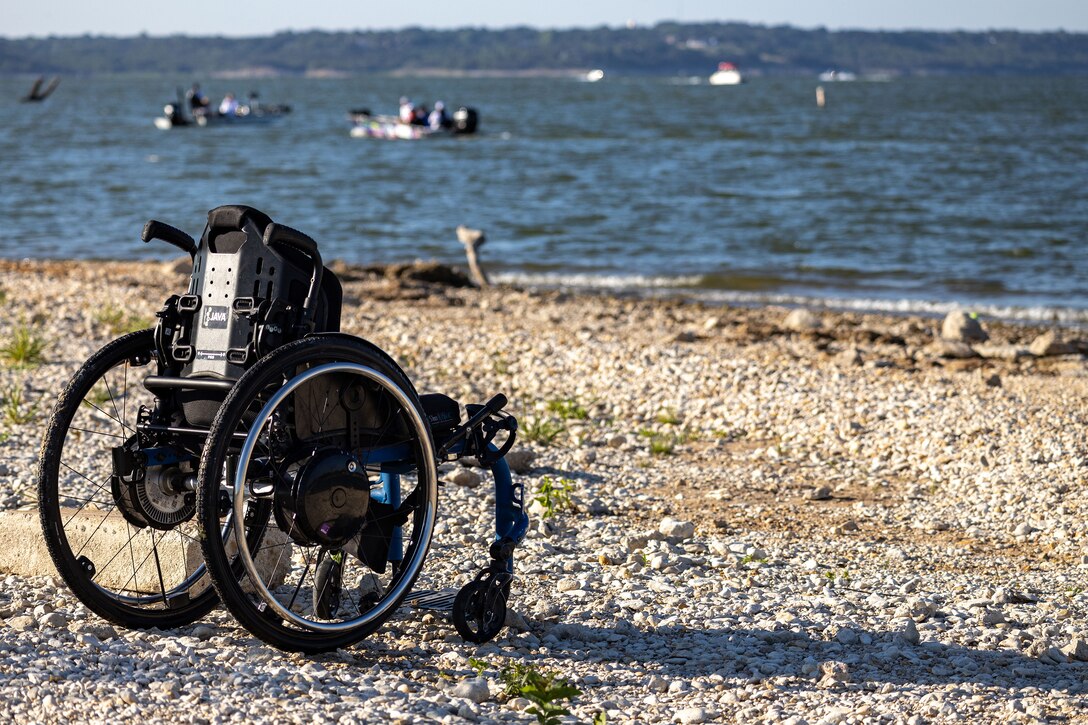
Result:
<point x="912" y="194"/>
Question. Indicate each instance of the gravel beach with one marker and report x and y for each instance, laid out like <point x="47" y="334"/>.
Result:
<point x="775" y="516"/>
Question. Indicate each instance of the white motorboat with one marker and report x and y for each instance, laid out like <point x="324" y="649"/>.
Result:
<point x="837" y="76"/>
<point x="726" y="75"/>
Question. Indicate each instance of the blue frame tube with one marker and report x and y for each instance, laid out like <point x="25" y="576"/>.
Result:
<point x="390" y="494"/>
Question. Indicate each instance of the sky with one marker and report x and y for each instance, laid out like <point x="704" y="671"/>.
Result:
<point x="19" y="18"/>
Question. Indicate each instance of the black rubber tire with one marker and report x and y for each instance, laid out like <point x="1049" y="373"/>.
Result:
<point x="261" y="379"/>
<point x="327" y="580"/>
<point x="476" y="618"/>
<point x="116" y="353"/>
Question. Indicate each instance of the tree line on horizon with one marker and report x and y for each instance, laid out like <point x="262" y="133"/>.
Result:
<point x="665" y="48"/>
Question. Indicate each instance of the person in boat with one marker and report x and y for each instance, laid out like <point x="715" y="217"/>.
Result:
<point x="198" y="102"/>
<point x="407" y="110"/>
<point x="229" y="106"/>
<point x="438" y="118"/>
<point x="419" y="118"/>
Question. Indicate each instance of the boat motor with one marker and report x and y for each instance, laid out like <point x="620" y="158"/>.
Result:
<point x="465" y="120"/>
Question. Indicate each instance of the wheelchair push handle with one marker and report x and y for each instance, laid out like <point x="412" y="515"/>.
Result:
<point x="279" y="234"/>
<point x="494" y="405"/>
<point x="171" y="235"/>
<point x="484" y="412"/>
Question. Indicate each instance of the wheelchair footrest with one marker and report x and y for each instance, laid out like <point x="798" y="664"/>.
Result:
<point x="432" y="600"/>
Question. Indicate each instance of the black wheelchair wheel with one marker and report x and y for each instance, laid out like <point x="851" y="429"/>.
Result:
<point x="339" y="448"/>
<point x="479" y="610"/>
<point x="127" y="572"/>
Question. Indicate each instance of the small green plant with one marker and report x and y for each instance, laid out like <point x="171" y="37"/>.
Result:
<point x="663" y="445"/>
<point x="546" y="690"/>
<point x="667" y="417"/>
<point x="478" y="665"/>
<point x="25" y="349"/>
<point x="600" y="718"/>
<point x="749" y="559"/>
<point x="15" y="410"/>
<point x="843" y="577"/>
<point x="119" y="322"/>
<point x="554" y="495"/>
<point x="500" y="366"/>
<point x="3" y="295"/>
<point x="567" y="409"/>
<point x="542" y="430"/>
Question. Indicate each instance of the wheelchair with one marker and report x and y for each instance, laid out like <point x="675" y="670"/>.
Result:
<point x="246" y="450"/>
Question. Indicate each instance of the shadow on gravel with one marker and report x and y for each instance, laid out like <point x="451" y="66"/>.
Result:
<point x="564" y="473"/>
<point x="680" y="652"/>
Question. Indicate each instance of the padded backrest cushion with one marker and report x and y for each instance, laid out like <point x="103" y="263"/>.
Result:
<point x="233" y="217"/>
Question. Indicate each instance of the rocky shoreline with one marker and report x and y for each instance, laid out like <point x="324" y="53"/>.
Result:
<point x="779" y="516"/>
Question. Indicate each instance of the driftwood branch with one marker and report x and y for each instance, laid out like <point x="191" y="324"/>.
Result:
<point x="473" y="239"/>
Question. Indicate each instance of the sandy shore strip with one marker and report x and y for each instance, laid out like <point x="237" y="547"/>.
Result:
<point x="780" y="516"/>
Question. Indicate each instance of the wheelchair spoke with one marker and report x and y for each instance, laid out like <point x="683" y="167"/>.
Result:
<point x="97" y="432"/>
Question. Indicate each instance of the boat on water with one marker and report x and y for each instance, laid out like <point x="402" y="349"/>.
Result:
<point x="837" y="76"/>
<point x="727" y="75"/>
<point x="184" y="112"/>
<point x="367" y="125"/>
<point x="593" y="76"/>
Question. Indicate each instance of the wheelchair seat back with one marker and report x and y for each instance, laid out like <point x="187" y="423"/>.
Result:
<point x="245" y="298"/>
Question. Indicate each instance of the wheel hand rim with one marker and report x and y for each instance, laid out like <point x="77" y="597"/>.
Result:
<point x="394" y="594"/>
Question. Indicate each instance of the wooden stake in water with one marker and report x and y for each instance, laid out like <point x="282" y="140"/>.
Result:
<point x="820" y="96"/>
<point x="473" y="239"/>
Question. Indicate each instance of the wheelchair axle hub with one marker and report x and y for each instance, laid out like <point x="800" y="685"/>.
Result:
<point x="152" y="488"/>
<point x="327" y="502"/>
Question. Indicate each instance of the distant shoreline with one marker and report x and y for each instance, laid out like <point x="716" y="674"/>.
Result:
<point x="668" y="48"/>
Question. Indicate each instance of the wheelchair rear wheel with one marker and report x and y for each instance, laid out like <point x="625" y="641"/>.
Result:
<point x="340" y="449"/>
<point x="127" y="549"/>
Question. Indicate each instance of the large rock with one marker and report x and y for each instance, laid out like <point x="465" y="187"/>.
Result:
<point x="520" y="460"/>
<point x="1050" y="344"/>
<point x="908" y="633"/>
<point x="998" y="351"/>
<point x="801" y="320"/>
<point x="952" y="349"/>
<point x="676" y="529"/>
<point x="960" y="326"/>
<point x="23" y="551"/>
<point x="465" y="477"/>
<point x="428" y="272"/>
<point x="1076" y="650"/>
<point x="475" y="689"/>
<point x="833" y="674"/>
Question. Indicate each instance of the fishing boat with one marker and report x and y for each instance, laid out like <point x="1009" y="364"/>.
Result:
<point x="727" y="75"/>
<point x="367" y="125"/>
<point x="179" y="114"/>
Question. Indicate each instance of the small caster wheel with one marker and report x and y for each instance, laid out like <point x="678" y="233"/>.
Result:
<point x="327" y="581"/>
<point x="479" y="611"/>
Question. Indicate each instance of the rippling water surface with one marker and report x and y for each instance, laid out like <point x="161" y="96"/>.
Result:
<point x="913" y="194"/>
